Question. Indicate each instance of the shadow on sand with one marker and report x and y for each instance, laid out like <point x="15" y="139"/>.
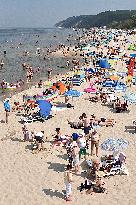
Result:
<point x="130" y="129"/>
<point x="57" y="167"/>
<point x="56" y="193"/>
<point x="16" y="139"/>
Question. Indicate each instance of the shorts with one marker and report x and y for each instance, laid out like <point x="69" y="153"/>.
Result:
<point x="68" y="189"/>
<point x="7" y="110"/>
<point x="39" y="139"/>
<point x="76" y="160"/>
<point x="82" y="151"/>
<point x="86" y="130"/>
<point x="95" y="143"/>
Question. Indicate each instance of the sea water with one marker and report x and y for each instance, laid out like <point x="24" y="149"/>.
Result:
<point x="16" y="41"/>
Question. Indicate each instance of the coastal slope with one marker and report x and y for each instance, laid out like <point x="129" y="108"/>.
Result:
<point x="113" y="19"/>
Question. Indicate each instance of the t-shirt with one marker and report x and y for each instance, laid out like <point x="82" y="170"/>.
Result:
<point x="7" y="106"/>
<point x="39" y="136"/>
<point x="82" y="143"/>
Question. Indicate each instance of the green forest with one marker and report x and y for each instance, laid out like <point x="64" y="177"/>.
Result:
<point x="120" y="19"/>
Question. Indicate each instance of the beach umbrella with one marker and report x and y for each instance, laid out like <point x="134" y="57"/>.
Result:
<point x="104" y="63"/>
<point x="133" y="55"/>
<point x="130" y="97"/>
<point x="112" y="144"/>
<point x="45" y="108"/>
<point x="73" y="93"/>
<point x="113" y="77"/>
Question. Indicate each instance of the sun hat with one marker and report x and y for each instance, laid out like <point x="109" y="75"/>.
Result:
<point x="7" y="99"/>
<point x="75" y="136"/>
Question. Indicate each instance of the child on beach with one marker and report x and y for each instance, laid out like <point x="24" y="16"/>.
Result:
<point x="25" y="133"/>
<point x="68" y="179"/>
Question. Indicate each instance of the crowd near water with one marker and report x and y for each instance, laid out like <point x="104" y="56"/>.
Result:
<point x="71" y="121"/>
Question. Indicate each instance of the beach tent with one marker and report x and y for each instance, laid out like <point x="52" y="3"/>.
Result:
<point x="104" y="63"/>
<point x="45" y="108"/>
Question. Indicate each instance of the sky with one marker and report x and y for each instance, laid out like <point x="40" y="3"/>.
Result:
<point x="45" y="13"/>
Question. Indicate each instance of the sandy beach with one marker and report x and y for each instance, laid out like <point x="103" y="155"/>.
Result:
<point x="38" y="179"/>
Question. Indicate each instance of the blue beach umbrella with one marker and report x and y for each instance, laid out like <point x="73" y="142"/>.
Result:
<point x="45" y="108"/>
<point x="73" y="93"/>
<point x="133" y="55"/>
<point x="104" y="63"/>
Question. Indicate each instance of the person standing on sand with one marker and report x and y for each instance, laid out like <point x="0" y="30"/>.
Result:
<point x="68" y="180"/>
<point x="7" y="108"/>
<point x="95" y="137"/>
<point x="86" y="122"/>
<point x="49" y="71"/>
<point x="2" y="63"/>
<point x="75" y="155"/>
<point x="25" y="133"/>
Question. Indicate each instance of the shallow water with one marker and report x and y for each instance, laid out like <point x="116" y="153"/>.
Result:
<point x="16" y="41"/>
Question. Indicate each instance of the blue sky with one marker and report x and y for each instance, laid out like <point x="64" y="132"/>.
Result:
<point x="45" y="13"/>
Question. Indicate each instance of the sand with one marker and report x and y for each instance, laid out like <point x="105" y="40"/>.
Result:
<point x="38" y="179"/>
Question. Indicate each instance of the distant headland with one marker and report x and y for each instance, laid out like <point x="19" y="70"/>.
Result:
<point x="120" y="19"/>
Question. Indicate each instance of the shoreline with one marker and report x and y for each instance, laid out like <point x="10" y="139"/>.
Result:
<point x="38" y="178"/>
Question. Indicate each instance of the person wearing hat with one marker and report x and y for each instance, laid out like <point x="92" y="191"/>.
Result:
<point x="7" y="108"/>
<point x="75" y="136"/>
<point x="38" y="137"/>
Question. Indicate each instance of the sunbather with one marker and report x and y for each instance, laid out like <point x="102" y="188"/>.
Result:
<point x="59" y="139"/>
<point x="95" y="98"/>
<point x="77" y="125"/>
